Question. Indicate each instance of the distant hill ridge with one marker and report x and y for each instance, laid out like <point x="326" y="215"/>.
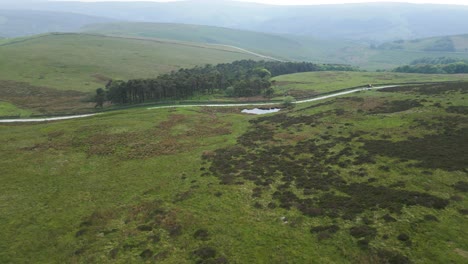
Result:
<point x="15" y="23"/>
<point x="371" y="22"/>
<point x="283" y="47"/>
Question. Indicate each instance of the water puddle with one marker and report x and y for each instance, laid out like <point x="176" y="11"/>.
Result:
<point x="260" y="111"/>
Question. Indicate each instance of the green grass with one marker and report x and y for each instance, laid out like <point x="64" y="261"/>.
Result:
<point x="120" y="186"/>
<point x="301" y="84"/>
<point x="85" y="62"/>
<point x="8" y="109"/>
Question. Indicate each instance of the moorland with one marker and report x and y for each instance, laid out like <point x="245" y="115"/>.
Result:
<point x="373" y="176"/>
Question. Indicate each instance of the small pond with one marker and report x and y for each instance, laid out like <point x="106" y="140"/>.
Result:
<point x="260" y="111"/>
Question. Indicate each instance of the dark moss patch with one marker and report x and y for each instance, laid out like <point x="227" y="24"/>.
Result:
<point x="459" y="109"/>
<point x="80" y="232"/>
<point x="317" y="105"/>
<point x="155" y="238"/>
<point x="461" y="186"/>
<point x="202" y="234"/>
<point x="113" y="253"/>
<point x="388" y="218"/>
<point x="403" y="237"/>
<point x="363" y="243"/>
<point x="145" y="228"/>
<point x="161" y="256"/>
<point x="431" y="218"/>
<point x="329" y="229"/>
<point x="363" y="232"/>
<point x="205" y="253"/>
<point x="441" y="151"/>
<point x="396" y="106"/>
<point x="324" y="232"/>
<point x="285" y="121"/>
<point x="392" y="257"/>
<point x="146" y="254"/>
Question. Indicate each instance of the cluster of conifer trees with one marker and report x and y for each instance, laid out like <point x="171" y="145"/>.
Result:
<point x="237" y="79"/>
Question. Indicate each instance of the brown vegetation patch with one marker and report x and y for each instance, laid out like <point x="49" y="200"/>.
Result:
<point x="44" y="100"/>
<point x="157" y="141"/>
<point x="224" y="110"/>
<point x="300" y="94"/>
<point x="146" y="224"/>
<point x="395" y="106"/>
<point x="459" y="109"/>
<point x="362" y="103"/>
<point x="101" y="78"/>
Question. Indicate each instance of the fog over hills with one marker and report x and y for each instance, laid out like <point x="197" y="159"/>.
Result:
<point x="14" y="23"/>
<point x="377" y="22"/>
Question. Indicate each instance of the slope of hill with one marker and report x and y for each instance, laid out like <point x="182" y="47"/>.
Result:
<point x="84" y="62"/>
<point x="369" y="22"/>
<point x="455" y="43"/>
<point x="14" y="23"/>
<point x="289" y="47"/>
<point x="283" y="46"/>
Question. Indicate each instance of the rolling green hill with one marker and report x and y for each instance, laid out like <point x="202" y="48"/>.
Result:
<point x="254" y="41"/>
<point x="280" y="46"/>
<point x="288" y="47"/>
<point x="83" y="62"/>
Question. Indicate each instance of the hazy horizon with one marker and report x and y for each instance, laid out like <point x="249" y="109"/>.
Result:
<point x="292" y="2"/>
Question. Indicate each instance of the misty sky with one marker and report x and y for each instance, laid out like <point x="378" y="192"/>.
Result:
<point x="310" y="2"/>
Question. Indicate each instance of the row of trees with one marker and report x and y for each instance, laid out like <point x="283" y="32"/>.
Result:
<point x="436" y="61"/>
<point x="237" y="79"/>
<point x="451" y="68"/>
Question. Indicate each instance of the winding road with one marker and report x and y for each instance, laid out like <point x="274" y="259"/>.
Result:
<point x="46" y="119"/>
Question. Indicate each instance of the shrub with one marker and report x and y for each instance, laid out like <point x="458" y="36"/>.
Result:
<point x="363" y="231"/>
<point x="288" y="102"/>
<point x="146" y="254"/>
<point x="201" y="234"/>
<point x="205" y="253"/>
<point x="403" y="237"/>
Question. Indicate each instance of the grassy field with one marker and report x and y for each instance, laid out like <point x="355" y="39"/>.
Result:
<point x="311" y="83"/>
<point x="373" y="177"/>
<point x="8" y="109"/>
<point x="83" y="62"/>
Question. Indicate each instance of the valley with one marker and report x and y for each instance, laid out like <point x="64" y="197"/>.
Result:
<point x="129" y="134"/>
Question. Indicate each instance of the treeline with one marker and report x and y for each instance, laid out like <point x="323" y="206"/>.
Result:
<point x="440" y="65"/>
<point x="452" y="68"/>
<point x="237" y="79"/>
<point x="437" y="61"/>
